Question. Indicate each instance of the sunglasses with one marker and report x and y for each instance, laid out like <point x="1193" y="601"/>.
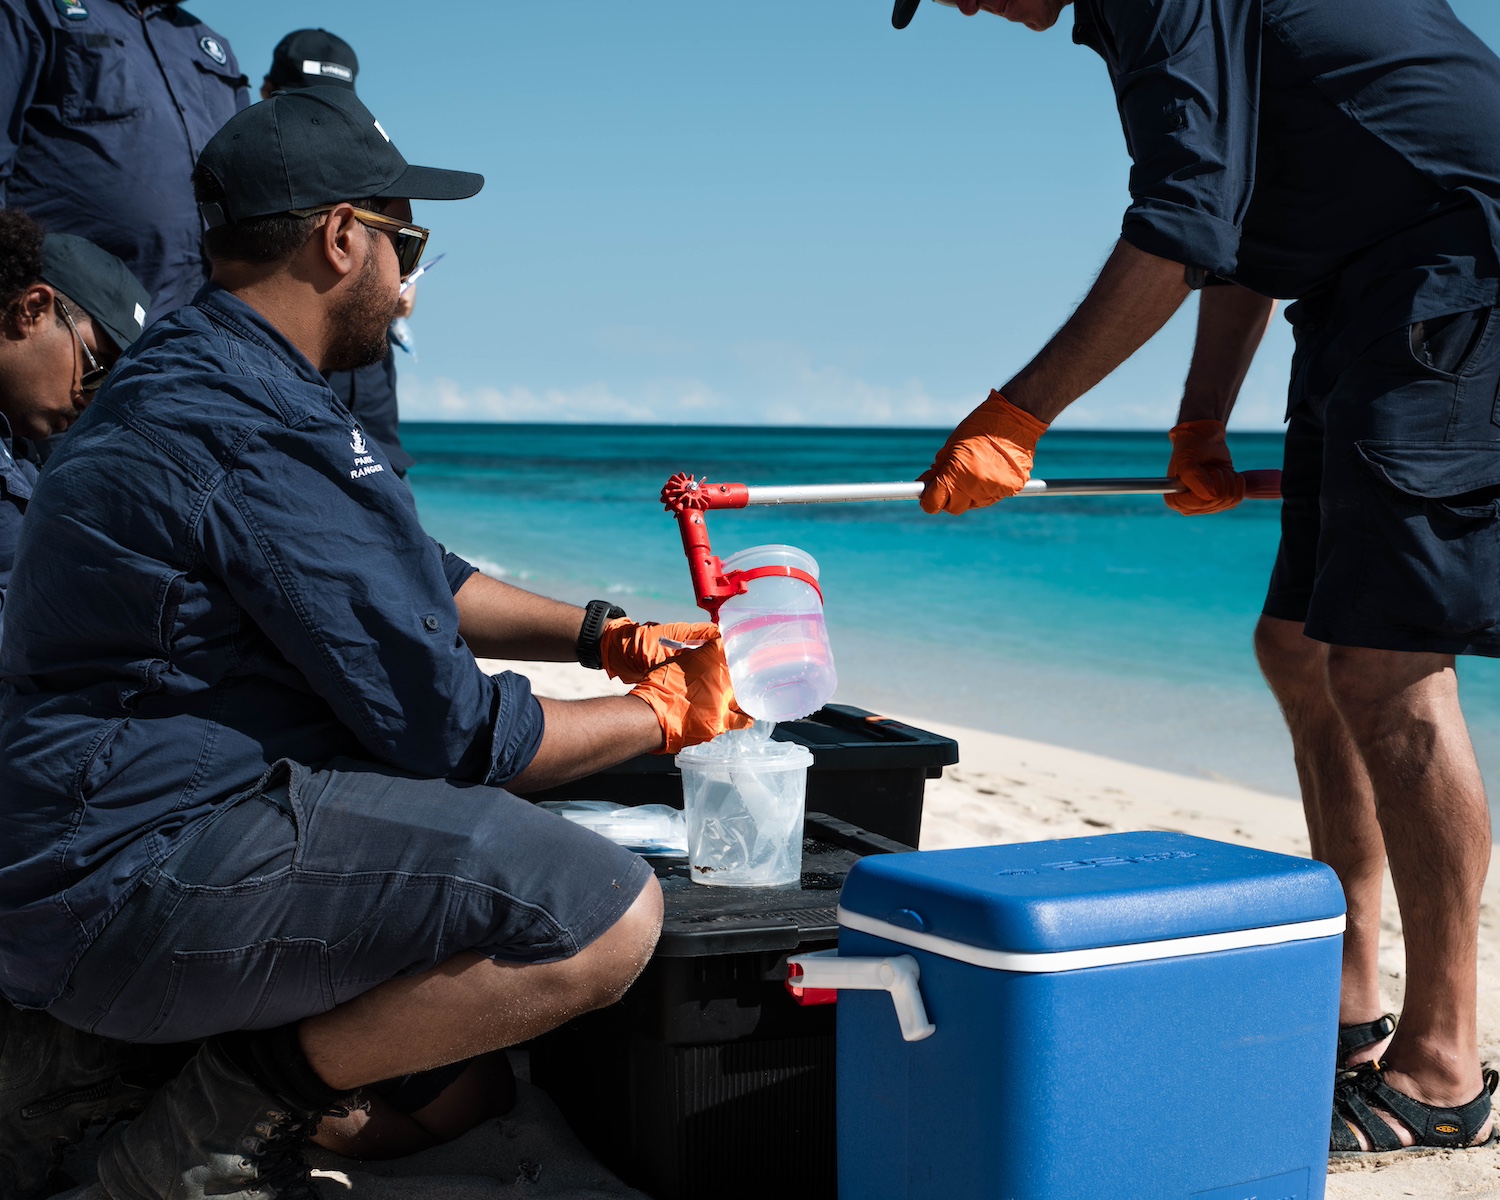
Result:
<point x="93" y="378"/>
<point x="410" y="239"/>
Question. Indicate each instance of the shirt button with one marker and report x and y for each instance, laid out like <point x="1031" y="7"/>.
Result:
<point x="430" y="623"/>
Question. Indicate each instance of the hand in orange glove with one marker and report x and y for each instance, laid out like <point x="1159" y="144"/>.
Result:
<point x="691" y="697"/>
<point x="1200" y="458"/>
<point x="630" y="649"/>
<point x="987" y="458"/>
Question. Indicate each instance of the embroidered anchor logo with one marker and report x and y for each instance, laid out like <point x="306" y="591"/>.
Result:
<point x="364" y="461"/>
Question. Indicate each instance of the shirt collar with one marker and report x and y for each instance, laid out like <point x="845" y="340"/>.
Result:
<point x="229" y="310"/>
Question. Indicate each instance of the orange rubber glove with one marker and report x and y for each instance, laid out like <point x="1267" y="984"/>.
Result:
<point x="630" y="650"/>
<point x="1200" y="458"/>
<point x="987" y="458"/>
<point x="692" y="698"/>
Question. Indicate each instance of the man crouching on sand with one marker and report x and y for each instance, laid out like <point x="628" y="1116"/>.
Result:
<point x="253" y="773"/>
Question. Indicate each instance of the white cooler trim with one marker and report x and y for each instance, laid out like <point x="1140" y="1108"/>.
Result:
<point x="1102" y="956"/>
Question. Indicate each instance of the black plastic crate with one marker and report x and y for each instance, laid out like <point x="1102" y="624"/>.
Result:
<point x="708" y="1079"/>
<point x="867" y="769"/>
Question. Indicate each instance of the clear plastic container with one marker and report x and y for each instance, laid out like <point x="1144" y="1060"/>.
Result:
<point x="744" y="798"/>
<point x="775" y="641"/>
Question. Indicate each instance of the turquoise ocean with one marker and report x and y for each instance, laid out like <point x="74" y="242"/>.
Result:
<point x="1111" y="625"/>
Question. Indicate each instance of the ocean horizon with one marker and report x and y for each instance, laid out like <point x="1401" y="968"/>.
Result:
<point x="1106" y="624"/>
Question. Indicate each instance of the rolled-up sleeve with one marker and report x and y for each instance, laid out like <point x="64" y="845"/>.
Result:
<point x="456" y="569"/>
<point x="1187" y="81"/>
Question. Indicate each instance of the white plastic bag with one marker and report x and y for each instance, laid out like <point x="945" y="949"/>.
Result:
<point x="645" y="828"/>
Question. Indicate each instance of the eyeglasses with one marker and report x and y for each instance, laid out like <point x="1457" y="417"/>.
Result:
<point x="93" y="378"/>
<point x="410" y="239"/>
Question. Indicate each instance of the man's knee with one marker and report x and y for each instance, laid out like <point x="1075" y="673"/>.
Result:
<point x="1380" y="693"/>
<point x="1290" y="660"/>
<point x="609" y="965"/>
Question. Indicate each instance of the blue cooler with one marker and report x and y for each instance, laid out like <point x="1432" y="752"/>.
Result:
<point x="1139" y="1015"/>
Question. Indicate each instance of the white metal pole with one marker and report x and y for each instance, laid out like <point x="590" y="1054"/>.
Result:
<point x="833" y="493"/>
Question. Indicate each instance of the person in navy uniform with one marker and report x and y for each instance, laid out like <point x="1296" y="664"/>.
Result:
<point x="68" y="309"/>
<point x="1344" y="154"/>
<point x="311" y="58"/>
<point x="105" y="106"/>
<point x="258" y="789"/>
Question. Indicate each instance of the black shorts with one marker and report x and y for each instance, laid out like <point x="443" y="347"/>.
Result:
<point x="1390" y="517"/>
<point x="322" y="884"/>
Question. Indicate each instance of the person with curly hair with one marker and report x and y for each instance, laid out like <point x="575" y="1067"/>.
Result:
<point x="67" y="311"/>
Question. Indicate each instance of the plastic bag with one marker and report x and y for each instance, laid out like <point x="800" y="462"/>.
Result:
<point x="645" y="828"/>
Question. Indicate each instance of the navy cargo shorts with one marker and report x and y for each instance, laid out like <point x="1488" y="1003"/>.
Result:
<point x="1390" y="519"/>
<point x="318" y="885"/>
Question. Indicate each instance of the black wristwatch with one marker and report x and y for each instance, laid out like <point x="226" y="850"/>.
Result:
<point x="595" y="616"/>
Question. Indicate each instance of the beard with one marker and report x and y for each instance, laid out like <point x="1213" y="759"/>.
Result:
<point x="360" y="322"/>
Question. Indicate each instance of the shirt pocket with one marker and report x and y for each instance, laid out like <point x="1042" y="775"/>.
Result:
<point x="99" y="79"/>
<point x="220" y="85"/>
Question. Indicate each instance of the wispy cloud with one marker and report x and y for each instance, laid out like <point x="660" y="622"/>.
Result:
<point x="790" y="390"/>
<point x="776" y="383"/>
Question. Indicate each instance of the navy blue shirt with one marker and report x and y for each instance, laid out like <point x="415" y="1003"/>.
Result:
<point x="18" y="474"/>
<point x="217" y="570"/>
<point x="370" y="394"/>
<point x="102" y="116"/>
<point x="1346" y="152"/>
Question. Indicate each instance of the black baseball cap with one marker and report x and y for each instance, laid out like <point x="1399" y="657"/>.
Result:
<point x="308" y="57"/>
<point x="314" y="146"/>
<point x="904" y="11"/>
<point x="99" y="283"/>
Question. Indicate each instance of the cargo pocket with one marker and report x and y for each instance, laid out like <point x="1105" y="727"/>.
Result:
<point x="250" y="987"/>
<point x="1434" y="535"/>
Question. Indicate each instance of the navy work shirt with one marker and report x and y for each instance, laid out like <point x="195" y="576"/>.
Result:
<point x="104" y="108"/>
<point x="1345" y="152"/>
<point x="370" y="394"/>
<point x="17" y="478"/>
<point x="217" y="570"/>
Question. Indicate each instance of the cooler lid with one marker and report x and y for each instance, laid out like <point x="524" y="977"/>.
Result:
<point x="1117" y="890"/>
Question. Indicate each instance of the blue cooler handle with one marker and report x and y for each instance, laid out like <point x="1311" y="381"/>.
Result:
<point x="898" y="975"/>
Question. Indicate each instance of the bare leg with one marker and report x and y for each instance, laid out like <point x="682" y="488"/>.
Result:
<point x="375" y="1129"/>
<point x="1403" y="713"/>
<point x="470" y="1005"/>
<point x="1339" y="804"/>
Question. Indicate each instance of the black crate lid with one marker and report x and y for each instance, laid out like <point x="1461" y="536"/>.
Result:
<point x="701" y="920"/>
<point x="841" y="738"/>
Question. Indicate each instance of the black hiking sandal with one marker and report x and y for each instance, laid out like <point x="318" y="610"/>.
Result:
<point x="1357" y="1037"/>
<point x="1360" y="1091"/>
<point x="55" y="1081"/>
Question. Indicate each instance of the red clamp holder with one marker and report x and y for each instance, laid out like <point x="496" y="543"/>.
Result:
<point x="688" y="499"/>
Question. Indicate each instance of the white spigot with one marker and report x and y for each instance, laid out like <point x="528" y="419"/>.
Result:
<point x="898" y="975"/>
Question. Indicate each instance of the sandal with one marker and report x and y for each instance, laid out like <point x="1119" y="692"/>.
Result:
<point x="1357" y="1037"/>
<point x="1360" y="1091"/>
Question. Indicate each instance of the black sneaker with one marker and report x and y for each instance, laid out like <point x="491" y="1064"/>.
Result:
<point x="212" y="1131"/>
<point x="55" y="1081"/>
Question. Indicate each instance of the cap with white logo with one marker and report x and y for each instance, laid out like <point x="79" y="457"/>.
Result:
<point x="309" y="57"/>
<point x="99" y="283"/>
<point x="313" y="146"/>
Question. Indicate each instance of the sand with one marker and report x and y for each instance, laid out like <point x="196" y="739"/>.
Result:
<point x="1003" y="790"/>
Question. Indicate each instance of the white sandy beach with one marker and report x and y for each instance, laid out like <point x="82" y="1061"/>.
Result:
<point x="1003" y="790"/>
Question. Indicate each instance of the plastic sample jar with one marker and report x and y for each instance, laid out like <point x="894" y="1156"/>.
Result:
<point x="744" y="799"/>
<point x="775" y="639"/>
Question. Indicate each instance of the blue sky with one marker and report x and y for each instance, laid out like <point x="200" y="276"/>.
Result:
<point x="741" y="213"/>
